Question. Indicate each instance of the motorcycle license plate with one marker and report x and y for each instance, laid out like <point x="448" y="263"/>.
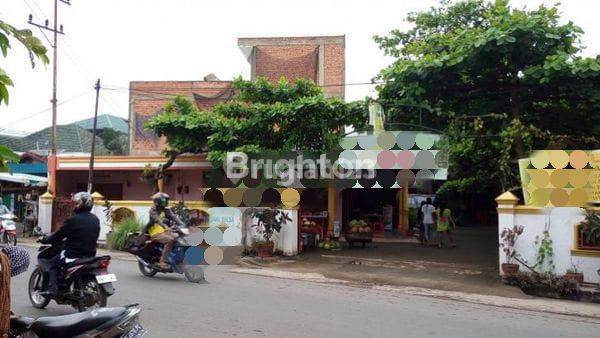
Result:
<point x="136" y="331"/>
<point x="108" y="278"/>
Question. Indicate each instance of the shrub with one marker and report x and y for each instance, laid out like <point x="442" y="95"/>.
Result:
<point x="118" y="237"/>
<point x="546" y="284"/>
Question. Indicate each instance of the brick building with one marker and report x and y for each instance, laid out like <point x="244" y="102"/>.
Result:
<point x="320" y="59"/>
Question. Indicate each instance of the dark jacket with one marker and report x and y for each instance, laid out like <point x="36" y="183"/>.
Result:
<point x="154" y="218"/>
<point x="81" y="232"/>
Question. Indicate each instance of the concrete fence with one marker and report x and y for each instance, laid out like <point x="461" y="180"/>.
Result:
<point x="286" y="241"/>
<point x="561" y="223"/>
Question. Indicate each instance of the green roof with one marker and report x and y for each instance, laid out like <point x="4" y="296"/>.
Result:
<point x="70" y="138"/>
<point x="105" y="121"/>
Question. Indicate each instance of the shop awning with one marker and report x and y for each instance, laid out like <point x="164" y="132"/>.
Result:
<point x="25" y="179"/>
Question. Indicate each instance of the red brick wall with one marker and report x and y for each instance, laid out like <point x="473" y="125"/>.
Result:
<point x="148" y="98"/>
<point x="335" y="69"/>
<point x="291" y="62"/>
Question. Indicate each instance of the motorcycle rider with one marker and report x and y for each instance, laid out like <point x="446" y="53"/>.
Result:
<point x="80" y="233"/>
<point x="161" y="219"/>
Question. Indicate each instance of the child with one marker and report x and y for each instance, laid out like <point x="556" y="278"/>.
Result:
<point x="445" y="219"/>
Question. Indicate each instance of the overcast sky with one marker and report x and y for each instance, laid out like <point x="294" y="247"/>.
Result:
<point x="126" y="40"/>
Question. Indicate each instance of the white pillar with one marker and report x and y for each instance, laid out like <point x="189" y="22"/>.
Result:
<point x="506" y="219"/>
<point x="288" y="238"/>
<point x="98" y="210"/>
<point x="45" y="212"/>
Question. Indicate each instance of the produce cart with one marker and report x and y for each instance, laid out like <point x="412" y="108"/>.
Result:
<point x="312" y="227"/>
<point x="358" y="232"/>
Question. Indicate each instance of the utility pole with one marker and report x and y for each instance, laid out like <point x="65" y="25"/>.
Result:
<point x="91" y="170"/>
<point x="56" y="29"/>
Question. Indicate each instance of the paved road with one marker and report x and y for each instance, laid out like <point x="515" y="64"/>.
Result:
<point x="243" y="305"/>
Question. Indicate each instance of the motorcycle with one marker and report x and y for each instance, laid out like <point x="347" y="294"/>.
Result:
<point x="104" y="322"/>
<point x="8" y="228"/>
<point x="148" y="255"/>
<point x="83" y="284"/>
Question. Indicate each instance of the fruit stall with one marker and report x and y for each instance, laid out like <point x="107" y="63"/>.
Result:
<point x="358" y="231"/>
<point x="313" y="227"/>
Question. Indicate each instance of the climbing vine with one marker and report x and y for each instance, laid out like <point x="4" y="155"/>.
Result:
<point x="545" y="253"/>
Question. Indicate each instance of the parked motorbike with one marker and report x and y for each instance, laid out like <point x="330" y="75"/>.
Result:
<point x="83" y="284"/>
<point x="8" y="228"/>
<point x="148" y="255"/>
<point x="104" y="322"/>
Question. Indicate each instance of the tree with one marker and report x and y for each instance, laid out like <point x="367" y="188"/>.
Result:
<point x="36" y="50"/>
<point x="33" y="45"/>
<point x="262" y="117"/>
<point x="115" y="141"/>
<point x="498" y="81"/>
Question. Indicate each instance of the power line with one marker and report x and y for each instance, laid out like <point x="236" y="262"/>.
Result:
<point x="195" y="88"/>
<point x="56" y="29"/>
<point x="47" y="109"/>
<point x="40" y="29"/>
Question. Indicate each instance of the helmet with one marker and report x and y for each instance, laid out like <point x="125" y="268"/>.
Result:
<point x="84" y="201"/>
<point x="160" y="199"/>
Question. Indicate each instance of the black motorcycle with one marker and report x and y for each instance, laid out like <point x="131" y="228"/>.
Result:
<point x="148" y="255"/>
<point x="83" y="284"/>
<point x="105" y="322"/>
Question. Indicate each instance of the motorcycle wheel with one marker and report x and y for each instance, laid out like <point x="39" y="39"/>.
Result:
<point x="35" y="285"/>
<point x="194" y="274"/>
<point x="146" y="271"/>
<point x="90" y="286"/>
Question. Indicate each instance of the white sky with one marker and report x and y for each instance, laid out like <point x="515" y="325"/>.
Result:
<point x="125" y="40"/>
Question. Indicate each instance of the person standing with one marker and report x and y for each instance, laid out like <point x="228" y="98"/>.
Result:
<point x="445" y="224"/>
<point x="428" y="221"/>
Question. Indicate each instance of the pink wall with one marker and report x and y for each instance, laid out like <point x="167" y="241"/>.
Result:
<point x="133" y="187"/>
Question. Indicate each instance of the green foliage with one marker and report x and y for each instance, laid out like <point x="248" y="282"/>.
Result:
<point x="590" y="227"/>
<point x="7" y="155"/>
<point x="269" y="221"/>
<point x="33" y="45"/>
<point x="116" y="142"/>
<point x="548" y="285"/>
<point x="574" y="268"/>
<point x="498" y="81"/>
<point x="545" y="253"/>
<point x="262" y="117"/>
<point x="118" y="238"/>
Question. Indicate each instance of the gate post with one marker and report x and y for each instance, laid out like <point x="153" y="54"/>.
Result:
<point x="45" y="212"/>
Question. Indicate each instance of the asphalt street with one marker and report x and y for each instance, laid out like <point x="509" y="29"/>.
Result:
<point x="232" y="304"/>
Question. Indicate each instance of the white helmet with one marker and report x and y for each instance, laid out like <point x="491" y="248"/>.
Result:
<point x="84" y="201"/>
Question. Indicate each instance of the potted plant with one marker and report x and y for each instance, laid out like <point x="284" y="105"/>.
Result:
<point x="509" y="238"/>
<point x="574" y="274"/>
<point x="268" y="222"/>
<point x="589" y="230"/>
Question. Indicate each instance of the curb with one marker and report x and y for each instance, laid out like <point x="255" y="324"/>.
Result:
<point x="560" y="307"/>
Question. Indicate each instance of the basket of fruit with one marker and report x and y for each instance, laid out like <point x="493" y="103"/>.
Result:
<point x="358" y="231"/>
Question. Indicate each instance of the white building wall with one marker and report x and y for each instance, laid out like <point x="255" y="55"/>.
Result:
<point x="561" y="226"/>
<point x="286" y="241"/>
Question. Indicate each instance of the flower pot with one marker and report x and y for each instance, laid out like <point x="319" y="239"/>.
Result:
<point x="510" y="269"/>
<point x="265" y="249"/>
<point x="576" y="277"/>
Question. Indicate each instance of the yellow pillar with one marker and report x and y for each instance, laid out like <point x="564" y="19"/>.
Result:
<point x="403" y="219"/>
<point x="161" y="184"/>
<point x="331" y="208"/>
